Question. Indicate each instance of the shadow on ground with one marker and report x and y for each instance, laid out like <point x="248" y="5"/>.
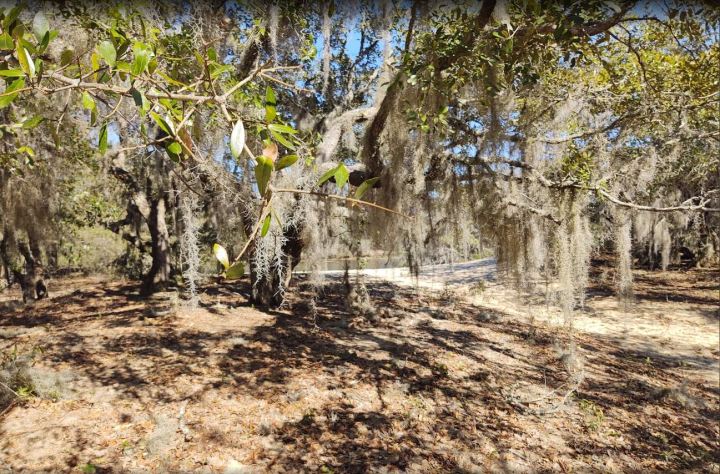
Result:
<point x="423" y="386"/>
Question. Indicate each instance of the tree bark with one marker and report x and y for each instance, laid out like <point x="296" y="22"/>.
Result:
<point x="152" y="210"/>
<point x="5" y="257"/>
<point x="268" y="290"/>
<point x="30" y="274"/>
<point x="38" y="270"/>
<point x="159" y="274"/>
<point x="31" y="281"/>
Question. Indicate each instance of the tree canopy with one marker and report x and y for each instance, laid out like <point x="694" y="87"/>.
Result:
<point x="288" y="132"/>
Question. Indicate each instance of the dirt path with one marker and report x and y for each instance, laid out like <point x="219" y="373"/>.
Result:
<point x="666" y="319"/>
<point x="429" y="382"/>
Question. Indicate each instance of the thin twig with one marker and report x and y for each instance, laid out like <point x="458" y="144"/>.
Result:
<point x="340" y="198"/>
<point x="640" y="207"/>
<point x="8" y="387"/>
<point x="286" y="84"/>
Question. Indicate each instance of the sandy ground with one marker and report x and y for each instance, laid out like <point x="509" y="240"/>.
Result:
<point x="667" y="324"/>
<point x="443" y="375"/>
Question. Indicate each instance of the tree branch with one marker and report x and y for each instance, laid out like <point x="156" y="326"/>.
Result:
<point x="340" y="198"/>
<point x="698" y="207"/>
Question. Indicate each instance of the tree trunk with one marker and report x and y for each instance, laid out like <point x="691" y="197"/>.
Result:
<point x="29" y="275"/>
<point x="268" y="290"/>
<point x="265" y="291"/>
<point x="159" y="274"/>
<point x="52" y="256"/>
<point x="31" y="281"/>
<point x="38" y="270"/>
<point x="5" y="259"/>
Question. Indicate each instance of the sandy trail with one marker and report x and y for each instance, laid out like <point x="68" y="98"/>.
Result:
<point x="658" y="327"/>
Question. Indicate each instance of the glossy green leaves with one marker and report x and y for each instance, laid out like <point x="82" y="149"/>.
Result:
<point x="232" y="272"/>
<point x="165" y="125"/>
<point x="11" y="73"/>
<point x="266" y="225"/>
<point x="263" y="171"/>
<point x="10" y="92"/>
<point x="270" y="105"/>
<point x="142" y="57"/>
<point x="363" y="188"/>
<point x="103" y="139"/>
<point x="88" y="102"/>
<point x="285" y="161"/>
<point x="340" y="173"/>
<point x="236" y="271"/>
<point x="175" y="148"/>
<point x="106" y="50"/>
<point x="25" y="60"/>
<point x="6" y="42"/>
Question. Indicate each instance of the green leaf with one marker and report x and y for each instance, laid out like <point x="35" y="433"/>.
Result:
<point x="270" y="98"/>
<point x="25" y="60"/>
<point x="123" y="66"/>
<point x="237" y="139"/>
<point x="276" y="127"/>
<point x="341" y="175"/>
<point x="8" y="96"/>
<point x="175" y="148"/>
<point x="6" y="42"/>
<point x="235" y="272"/>
<point x="87" y="101"/>
<point x="28" y="150"/>
<point x="367" y="184"/>
<point x="142" y="57"/>
<point x="103" y="139"/>
<point x="200" y="60"/>
<point x="270" y="113"/>
<point x="40" y="25"/>
<point x="137" y="97"/>
<point x="89" y="468"/>
<point x="270" y="104"/>
<point x="106" y="50"/>
<point x="328" y="174"/>
<point x="221" y="255"/>
<point x="263" y="170"/>
<point x="164" y="126"/>
<point x="11" y="73"/>
<point x="39" y="65"/>
<point x="43" y="44"/>
<point x="285" y="161"/>
<point x="266" y="225"/>
<point x="95" y="63"/>
<point x="11" y="16"/>
<point x="32" y="122"/>
<point x="283" y="141"/>
<point x="66" y="57"/>
<point x="141" y="101"/>
<point x="171" y="80"/>
<point x="216" y="71"/>
<point x="26" y="44"/>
